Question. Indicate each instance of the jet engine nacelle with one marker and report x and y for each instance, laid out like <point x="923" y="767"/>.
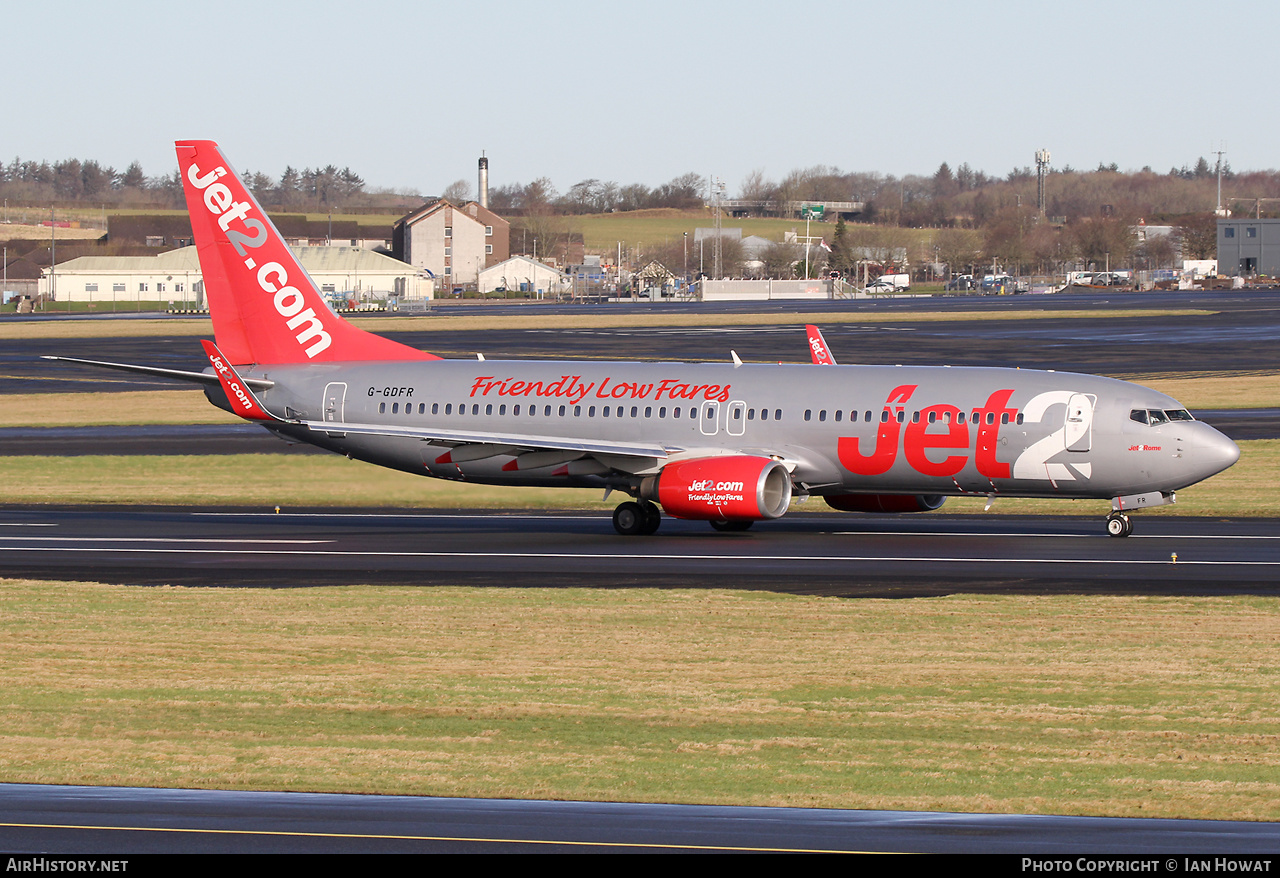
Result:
<point x="739" y="488"/>
<point x="885" y="502"/>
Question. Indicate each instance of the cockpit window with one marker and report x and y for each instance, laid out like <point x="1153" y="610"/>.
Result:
<point x="1179" y="415"/>
<point x="1139" y="415"/>
<point x="1157" y="417"/>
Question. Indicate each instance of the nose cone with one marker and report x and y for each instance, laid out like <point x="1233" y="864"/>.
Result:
<point x="1213" y="452"/>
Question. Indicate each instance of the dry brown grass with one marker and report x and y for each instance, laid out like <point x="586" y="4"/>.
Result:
<point x="20" y="231"/>
<point x="188" y="406"/>
<point x="1079" y="705"/>
<point x="1218" y="391"/>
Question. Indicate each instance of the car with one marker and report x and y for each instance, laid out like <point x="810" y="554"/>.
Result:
<point x="961" y="282"/>
<point x="997" y="283"/>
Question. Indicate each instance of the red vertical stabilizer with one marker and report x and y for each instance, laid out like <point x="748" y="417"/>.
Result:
<point x="265" y="307"/>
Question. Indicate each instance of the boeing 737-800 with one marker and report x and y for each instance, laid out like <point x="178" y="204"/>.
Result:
<point x="728" y="443"/>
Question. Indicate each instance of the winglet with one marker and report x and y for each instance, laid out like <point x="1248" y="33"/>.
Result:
<point x="242" y="399"/>
<point x="818" y="347"/>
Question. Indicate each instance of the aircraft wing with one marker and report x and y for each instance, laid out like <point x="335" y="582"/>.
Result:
<point x="512" y="440"/>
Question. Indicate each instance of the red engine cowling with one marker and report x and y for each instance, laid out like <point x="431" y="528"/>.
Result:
<point x="740" y="488"/>
<point x="885" y="502"/>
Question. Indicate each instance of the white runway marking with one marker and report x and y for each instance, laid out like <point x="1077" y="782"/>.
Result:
<point x="172" y="540"/>
<point x="751" y="559"/>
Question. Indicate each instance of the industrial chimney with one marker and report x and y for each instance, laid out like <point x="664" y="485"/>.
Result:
<point x="484" y="181"/>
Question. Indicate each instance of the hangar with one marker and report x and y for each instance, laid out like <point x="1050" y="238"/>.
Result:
<point x="342" y="273"/>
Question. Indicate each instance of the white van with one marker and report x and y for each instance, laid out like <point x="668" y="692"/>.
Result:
<point x="890" y="283"/>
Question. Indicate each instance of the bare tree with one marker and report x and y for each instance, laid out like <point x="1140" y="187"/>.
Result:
<point x="457" y="192"/>
<point x="1198" y="235"/>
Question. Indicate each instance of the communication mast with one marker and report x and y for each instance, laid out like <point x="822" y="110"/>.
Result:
<point x="1218" y="211"/>
<point x="717" y="196"/>
<point x="1042" y="168"/>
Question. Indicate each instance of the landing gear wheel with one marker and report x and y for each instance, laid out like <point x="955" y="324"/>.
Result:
<point x="629" y="519"/>
<point x="731" y="526"/>
<point x="1119" y="525"/>
<point x="652" y="517"/>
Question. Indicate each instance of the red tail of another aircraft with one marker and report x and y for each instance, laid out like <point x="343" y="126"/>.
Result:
<point x="265" y="307"/>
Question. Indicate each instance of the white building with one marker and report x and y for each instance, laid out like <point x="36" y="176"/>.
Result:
<point x="342" y="273"/>
<point x="521" y="274"/>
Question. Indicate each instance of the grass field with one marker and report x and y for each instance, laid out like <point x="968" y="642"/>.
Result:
<point x="1123" y="706"/>
<point x="601" y="231"/>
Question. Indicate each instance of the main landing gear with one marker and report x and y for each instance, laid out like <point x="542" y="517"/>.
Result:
<point x="1119" y="525"/>
<point x="633" y="519"/>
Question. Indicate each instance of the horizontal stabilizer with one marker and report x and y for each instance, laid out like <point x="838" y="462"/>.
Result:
<point x="176" y="374"/>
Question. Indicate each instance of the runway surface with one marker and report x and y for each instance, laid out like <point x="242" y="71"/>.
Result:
<point x="113" y="821"/>
<point x="828" y="554"/>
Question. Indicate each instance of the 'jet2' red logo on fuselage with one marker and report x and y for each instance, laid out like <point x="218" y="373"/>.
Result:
<point x="918" y="441"/>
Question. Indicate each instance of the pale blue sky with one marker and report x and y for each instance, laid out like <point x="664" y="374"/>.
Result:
<point x="408" y="94"/>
